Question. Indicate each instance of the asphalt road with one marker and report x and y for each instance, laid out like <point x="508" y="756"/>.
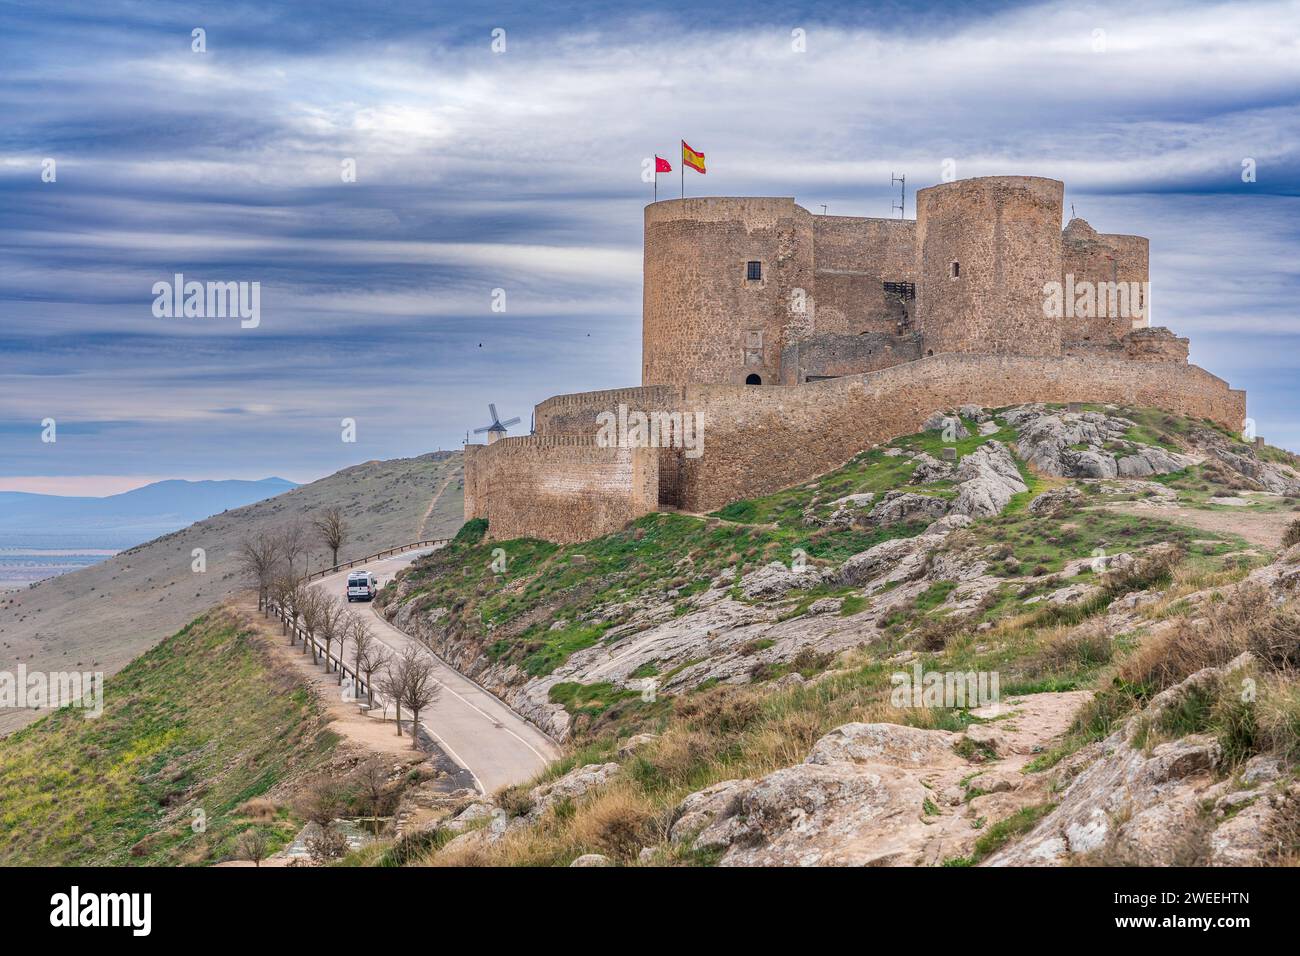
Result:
<point x="483" y="735"/>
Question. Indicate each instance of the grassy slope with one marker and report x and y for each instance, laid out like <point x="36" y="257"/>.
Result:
<point x="201" y="722"/>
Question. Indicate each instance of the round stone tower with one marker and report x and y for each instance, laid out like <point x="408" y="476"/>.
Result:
<point x="987" y="247"/>
<point x="724" y="278"/>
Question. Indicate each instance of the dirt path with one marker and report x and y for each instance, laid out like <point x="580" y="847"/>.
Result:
<point x="1258" y="527"/>
<point x="433" y="503"/>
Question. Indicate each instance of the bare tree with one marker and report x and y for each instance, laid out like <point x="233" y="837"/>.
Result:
<point x="333" y="530"/>
<point x="374" y="658"/>
<point x="332" y="616"/>
<point x="259" y="557"/>
<point x="322" y="803"/>
<point x="419" y="687"/>
<point x="372" y="782"/>
<point x="254" y="844"/>
<point x="313" y="609"/>
<point x="343" y="632"/>
<point x="392" y="684"/>
<point x="293" y="544"/>
<point x="362" y="639"/>
<point x="323" y="800"/>
<point x="286" y="591"/>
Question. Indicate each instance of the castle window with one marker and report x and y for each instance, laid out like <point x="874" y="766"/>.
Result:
<point x="956" y="270"/>
<point x="754" y="380"/>
<point x="754" y="270"/>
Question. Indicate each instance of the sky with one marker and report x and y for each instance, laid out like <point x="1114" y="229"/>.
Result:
<point x="488" y="160"/>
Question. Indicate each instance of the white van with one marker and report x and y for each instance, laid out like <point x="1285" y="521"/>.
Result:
<point x="362" y="586"/>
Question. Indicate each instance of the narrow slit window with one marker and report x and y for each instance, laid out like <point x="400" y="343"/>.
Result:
<point x="754" y="270"/>
<point x="956" y="270"/>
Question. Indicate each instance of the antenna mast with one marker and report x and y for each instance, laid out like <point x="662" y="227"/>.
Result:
<point x="902" y="194"/>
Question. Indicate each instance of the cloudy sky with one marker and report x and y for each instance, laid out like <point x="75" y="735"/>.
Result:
<point x="520" y="169"/>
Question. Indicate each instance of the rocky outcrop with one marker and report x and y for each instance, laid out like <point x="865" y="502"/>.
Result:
<point x="1087" y="445"/>
<point x="877" y="794"/>
<point x="987" y="479"/>
<point x="775" y="579"/>
<point x="928" y="469"/>
<point x="951" y="426"/>
<point x="1137" y="804"/>
<point x="897" y="506"/>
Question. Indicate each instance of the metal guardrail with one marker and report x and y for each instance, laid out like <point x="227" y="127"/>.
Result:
<point x="325" y="572"/>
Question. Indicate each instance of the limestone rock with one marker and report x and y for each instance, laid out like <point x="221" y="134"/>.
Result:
<point x="592" y="859"/>
<point x="988" y="478"/>
<point x="775" y="579"/>
<point x="929" y="468"/>
<point x="951" y="425"/>
<point x="574" y="784"/>
<point x="701" y="809"/>
<point x="898" y="506"/>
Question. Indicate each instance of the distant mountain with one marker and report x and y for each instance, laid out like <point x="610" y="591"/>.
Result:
<point x="120" y="521"/>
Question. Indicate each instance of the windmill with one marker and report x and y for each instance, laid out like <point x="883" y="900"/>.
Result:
<point x="498" y="428"/>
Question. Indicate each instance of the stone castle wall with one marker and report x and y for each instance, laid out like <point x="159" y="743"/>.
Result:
<point x="703" y="321"/>
<point x="987" y="248"/>
<point x="562" y="488"/>
<point x="1101" y="259"/>
<point x="757" y="441"/>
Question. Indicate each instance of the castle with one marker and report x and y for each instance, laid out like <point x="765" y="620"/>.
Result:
<point x="777" y="344"/>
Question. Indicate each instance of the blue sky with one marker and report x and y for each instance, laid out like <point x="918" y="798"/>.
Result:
<point x="520" y="170"/>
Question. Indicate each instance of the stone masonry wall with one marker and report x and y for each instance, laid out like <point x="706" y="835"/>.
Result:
<point x="702" y="320"/>
<point x="1101" y="259"/>
<point x="824" y="356"/>
<point x="988" y="247"/>
<point x="759" y="440"/>
<point x="562" y="488"/>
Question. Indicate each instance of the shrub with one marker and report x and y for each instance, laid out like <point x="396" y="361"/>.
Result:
<point x="616" y="823"/>
<point x="1292" y="535"/>
<point x="472" y="531"/>
<point x="515" y="800"/>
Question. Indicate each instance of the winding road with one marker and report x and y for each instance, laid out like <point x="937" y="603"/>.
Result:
<point x="478" y="731"/>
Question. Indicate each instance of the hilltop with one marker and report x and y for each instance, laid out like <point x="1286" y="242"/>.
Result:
<point x="717" y="676"/>
<point x="102" y="617"/>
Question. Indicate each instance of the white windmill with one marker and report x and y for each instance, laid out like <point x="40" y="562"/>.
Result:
<point x="498" y="428"/>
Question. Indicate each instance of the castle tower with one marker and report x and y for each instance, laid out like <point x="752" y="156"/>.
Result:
<point x="987" y="247"/>
<point x="725" y="280"/>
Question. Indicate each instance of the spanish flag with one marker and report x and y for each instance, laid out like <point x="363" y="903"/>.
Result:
<point x="692" y="159"/>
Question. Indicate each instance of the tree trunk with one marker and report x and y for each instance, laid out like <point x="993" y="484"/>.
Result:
<point x="415" y="730"/>
<point x="399" y="720"/>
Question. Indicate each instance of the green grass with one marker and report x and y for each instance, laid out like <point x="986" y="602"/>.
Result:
<point x="200" y="724"/>
<point x="589" y="699"/>
<point x="1001" y="833"/>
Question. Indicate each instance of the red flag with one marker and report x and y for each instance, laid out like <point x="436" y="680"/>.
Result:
<point x="662" y="165"/>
